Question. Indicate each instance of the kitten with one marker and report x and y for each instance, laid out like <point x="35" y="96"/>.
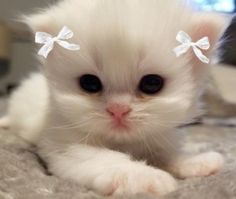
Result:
<point x="106" y="116"/>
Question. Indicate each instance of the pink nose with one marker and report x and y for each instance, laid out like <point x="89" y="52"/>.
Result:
<point x="118" y="111"/>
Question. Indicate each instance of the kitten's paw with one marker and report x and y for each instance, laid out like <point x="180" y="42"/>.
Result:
<point x="135" y="180"/>
<point x="201" y="165"/>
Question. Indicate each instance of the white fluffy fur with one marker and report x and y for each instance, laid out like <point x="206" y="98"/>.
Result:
<point x="27" y="110"/>
<point x="121" y="41"/>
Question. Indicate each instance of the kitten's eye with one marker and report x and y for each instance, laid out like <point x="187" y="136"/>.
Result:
<point x="90" y="83"/>
<point x="151" y="84"/>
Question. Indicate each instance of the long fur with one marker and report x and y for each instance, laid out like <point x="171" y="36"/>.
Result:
<point x="121" y="41"/>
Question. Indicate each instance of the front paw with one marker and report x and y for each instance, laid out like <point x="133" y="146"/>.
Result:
<point x="133" y="180"/>
<point x="204" y="164"/>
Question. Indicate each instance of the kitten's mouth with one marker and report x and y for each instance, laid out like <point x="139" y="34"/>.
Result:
<point x="121" y="126"/>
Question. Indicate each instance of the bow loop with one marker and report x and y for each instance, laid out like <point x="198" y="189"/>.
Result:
<point x="48" y="41"/>
<point x="68" y="45"/>
<point x="183" y="37"/>
<point x="42" y="37"/>
<point x="65" y="33"/>
<point x="186" y="44"/>
<point x="203" y="43"/>
<point x="181" y="49"/>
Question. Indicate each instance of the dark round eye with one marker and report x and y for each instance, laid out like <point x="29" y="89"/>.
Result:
<point x="90" y="83"/>
<point x="151" y="84"/>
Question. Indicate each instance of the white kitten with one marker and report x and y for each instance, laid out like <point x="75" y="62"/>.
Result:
<point x="105" y="109"/>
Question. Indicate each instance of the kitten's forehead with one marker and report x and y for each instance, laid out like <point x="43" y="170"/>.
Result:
<point x="118" y="57"/>
<point x="122" y="57"/>
<point x="125" y="55"/>
<point x="116" y="39"/>
<point x="123" y="31"/>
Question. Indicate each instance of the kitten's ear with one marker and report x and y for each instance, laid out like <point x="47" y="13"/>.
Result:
<point x="41" y="22"/>
<point x="206" y="25"/>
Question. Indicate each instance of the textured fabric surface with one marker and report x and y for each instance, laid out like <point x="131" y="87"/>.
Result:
<point x="23" y="176"/>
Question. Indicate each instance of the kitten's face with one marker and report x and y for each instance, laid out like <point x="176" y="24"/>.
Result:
<point x="121" y="92"/>
<point x="125" y="83"/>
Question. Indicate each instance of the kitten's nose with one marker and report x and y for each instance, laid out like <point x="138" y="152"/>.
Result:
<point x="118" y="111"/>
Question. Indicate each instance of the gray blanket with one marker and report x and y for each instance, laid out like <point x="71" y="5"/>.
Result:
<point x="24" y="176"/>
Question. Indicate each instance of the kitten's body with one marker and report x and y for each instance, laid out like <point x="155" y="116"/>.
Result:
<point x="129" y="39"/>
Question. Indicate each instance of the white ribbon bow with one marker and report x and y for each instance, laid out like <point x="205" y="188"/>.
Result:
<point x="187" y="43"/>
<point x="48" y="41"/>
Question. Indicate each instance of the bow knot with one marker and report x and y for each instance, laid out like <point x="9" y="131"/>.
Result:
<point x="48" y="41"/>
<point x="187" y="43"/>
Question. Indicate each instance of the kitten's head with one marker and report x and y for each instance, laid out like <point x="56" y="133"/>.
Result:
<point x="125" y="82"/>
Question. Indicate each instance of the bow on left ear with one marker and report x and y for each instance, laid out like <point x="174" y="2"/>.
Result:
<point x="48" y="41"/>
<point x="187" y="43"/>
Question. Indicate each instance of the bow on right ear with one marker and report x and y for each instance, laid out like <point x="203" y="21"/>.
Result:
<point x="187" y="43"/>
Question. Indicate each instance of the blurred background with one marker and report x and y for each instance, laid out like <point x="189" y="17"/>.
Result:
<point x="16" y="49"/>
<point x="227" y="6"/>
<point x="17" y="53"/>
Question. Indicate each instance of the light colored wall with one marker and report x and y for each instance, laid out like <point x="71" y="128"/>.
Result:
<point x="23" y="59"/>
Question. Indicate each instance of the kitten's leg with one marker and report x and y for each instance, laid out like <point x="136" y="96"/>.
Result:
<point x="27" y="108"/>
<point x="203" y="164"/>
<point x="108" y="172"/>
